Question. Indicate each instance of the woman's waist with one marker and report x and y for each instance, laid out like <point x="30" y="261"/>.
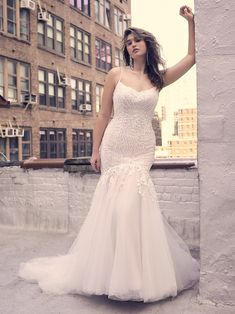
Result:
<point x="131" y="123"/>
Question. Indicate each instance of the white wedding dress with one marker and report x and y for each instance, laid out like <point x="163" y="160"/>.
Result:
<point x="125" y="248"/>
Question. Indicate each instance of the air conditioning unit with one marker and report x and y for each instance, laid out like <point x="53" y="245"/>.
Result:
<point x="29" y="99"/>
<point x="125" y="17"/>
<point x="20" y="132"/>
<point x="44" y="16"/>
<point x="27" y="4"/>
<point x="84" y="107"/>
<point x="3" y="132"/>
<point x="65" y="81"/>
<point x="11" y="132"/>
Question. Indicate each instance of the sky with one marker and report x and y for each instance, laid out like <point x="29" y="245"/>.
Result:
<point x="161" y="17"/>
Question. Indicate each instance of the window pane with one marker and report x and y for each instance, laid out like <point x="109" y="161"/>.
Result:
<point x="11" y="67"/>
<point x="59" y="37"/>
<point x="58" y="25"/>
<point x="41" y="75"/>
<point x="50" y="22"/>
<point x="40" y="28"/>
<point x="50" y="77"/>
<point x="72" y="42"/>
<point x="72" y="31"/>
<point x="24" y="70"/>
<point x="49" y="32"/>
<point x="42" y="88"/>
<point x="60" y="92"/>
<point x="51" y="90"/>
<point x="73" y="83"/>
<point x="79" y="35"/>
<point x="25" y="85"/>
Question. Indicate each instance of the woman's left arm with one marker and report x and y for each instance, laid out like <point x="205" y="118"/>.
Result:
<point x="173" y="73"/>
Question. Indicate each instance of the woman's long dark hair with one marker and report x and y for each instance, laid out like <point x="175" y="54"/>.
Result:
<point x="153" y="56"/>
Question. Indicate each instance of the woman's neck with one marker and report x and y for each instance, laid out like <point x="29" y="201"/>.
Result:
<point x="138" y="67"/>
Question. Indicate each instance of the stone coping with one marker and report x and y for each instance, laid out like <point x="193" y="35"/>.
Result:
<point x="82" y="164"/>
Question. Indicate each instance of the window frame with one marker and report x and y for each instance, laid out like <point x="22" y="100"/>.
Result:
<point x="78" y="144"/>
<point x="99" y="62"/>
<point x="17" y="20"/>
<point x="119" y="24"/>
<point x="82" y="10"/>
<point x="16" y="77"/>
<point x="98" y="96"/>
<point x="44" y="40"/>
<point x="56" y="142"/>
<point x="81" y="93"/>
<point x="27" y="142"/>
<point x="101" y="7"/>
<point x="83" y="45"/>
<point x="118" y="57"/>
<point x="47" y="85"/>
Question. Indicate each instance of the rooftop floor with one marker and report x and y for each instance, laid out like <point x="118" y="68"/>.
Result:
<point x="20" y="297"/>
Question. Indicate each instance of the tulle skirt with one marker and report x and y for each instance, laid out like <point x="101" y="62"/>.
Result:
<point x="125" y="248"/>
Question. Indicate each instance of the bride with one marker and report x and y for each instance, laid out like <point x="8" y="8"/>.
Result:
<point x="125" y="248"/>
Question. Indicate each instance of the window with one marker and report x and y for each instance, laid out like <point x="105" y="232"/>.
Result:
<point x="3" y="149"/>
<point x="1" y="15"/>
<point x="50" y="93"/>
<point x="51" y="35"/>
<point x="24" y="24"/>
<point x="80" y="43"/>
<point x="82" y="143"/>
<point x="26" y="144"/>
<point x="118" y="57"/>
<point x="119" y="24"/>
<point x="52" y="143"/>
<point x="13" y="19"/>
<point x="14" y="79"/>
<point x="81" y="93"/>
<point x="16" y="148"/>
<point x="103" y="55"/>
<point x="1" y="77"/>
<point x="98" y="92"/>
<point x="82" y="5"/>
<point x="102" y="12"/>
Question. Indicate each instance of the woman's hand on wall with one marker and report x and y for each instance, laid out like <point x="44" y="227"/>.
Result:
<point x="187" y="13"/>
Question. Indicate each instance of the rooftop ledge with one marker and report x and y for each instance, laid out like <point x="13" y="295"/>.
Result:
<point x="82" y="164"/>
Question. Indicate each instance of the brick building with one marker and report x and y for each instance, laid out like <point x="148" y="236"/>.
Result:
<point x="54" y="56"/>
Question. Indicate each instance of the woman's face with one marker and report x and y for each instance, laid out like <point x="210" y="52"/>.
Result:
<point x="135" y="46"/>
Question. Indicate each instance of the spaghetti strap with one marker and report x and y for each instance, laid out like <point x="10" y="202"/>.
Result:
<point x="121" y="70"/>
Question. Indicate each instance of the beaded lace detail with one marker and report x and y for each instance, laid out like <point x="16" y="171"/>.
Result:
<point x="129" y="137"/>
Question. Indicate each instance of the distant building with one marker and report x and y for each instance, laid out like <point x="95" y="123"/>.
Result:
<point x="184" y="140"/>
<point x="54" y="56"/>
<point x="157" y="129"/>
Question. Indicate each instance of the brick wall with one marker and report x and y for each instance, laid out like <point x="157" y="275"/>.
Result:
<point x="54" y="200"/>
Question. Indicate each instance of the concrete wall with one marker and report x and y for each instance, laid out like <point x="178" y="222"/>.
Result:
<point x="54" y="200"/>
<point x="215" y="32"/>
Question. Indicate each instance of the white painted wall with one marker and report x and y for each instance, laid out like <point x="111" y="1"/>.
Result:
<point x="215" y="36"/>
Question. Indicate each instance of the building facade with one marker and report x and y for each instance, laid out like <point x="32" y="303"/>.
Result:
<point x="54" y="56"/>
<point x="184" y="140"/>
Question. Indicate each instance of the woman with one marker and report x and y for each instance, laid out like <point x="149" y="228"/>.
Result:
<point x="125" y="248"/>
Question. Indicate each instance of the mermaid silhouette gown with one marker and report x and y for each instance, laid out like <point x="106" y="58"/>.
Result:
<point x="125" y="248"/>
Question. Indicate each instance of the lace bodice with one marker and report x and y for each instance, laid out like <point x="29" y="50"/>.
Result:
<point x="129" y="135"/>
<point x="132" y="105"/>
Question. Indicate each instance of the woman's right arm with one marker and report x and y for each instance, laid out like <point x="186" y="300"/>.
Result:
<point x="103" y="116"/>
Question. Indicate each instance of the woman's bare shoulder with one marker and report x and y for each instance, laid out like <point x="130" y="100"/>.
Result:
<point x="113" y="74"/>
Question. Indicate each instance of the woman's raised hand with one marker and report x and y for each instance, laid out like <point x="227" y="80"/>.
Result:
<point x="187" y="13"/>
<point x="95" y="161"/>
